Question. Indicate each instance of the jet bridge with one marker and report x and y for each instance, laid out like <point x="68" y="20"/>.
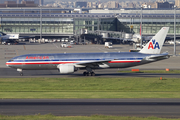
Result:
<point x="100" y="36"/>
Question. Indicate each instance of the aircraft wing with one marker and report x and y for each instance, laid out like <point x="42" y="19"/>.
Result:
<point x="171" y="38"/>
<point x="92" y="63"/>
<point x="166" y="39"/>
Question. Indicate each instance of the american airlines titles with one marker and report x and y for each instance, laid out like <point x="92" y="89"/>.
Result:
<point x="37" y="57"/>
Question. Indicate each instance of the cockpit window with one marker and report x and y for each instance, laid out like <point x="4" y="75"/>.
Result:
<point x="11" y="60"/>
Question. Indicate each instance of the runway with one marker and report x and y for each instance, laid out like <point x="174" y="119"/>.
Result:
<point x="85" y="107"/>
<point x="12" y="73"/>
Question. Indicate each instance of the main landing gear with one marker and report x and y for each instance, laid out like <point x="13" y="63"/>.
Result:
<point x="89" y="72"/>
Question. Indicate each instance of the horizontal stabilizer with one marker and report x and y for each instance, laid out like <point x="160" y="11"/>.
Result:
<point x="157" y="57"/>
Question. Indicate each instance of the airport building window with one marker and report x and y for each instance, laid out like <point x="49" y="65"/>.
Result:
<point x="26" y="30"/>
<point x="28" y="21"/>
<point x="171" y="30"/>
<point x="95" y="22"/>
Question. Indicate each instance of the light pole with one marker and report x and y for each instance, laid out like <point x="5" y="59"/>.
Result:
<point x="141" y="27"/>
<point x="174" y="30"/>
<point x="40" y="23"/>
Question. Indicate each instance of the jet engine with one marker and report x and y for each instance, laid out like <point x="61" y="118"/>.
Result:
<point x="66" y="68"/>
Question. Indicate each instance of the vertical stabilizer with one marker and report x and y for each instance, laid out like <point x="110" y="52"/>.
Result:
<point x="154" y="46"/>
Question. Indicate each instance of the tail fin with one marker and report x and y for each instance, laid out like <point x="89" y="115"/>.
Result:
<point x="154" y="46"/>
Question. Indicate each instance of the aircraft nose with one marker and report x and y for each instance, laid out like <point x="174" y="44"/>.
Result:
<point x="8" y="63"/>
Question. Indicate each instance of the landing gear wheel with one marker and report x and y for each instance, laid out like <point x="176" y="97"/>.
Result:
<point x="21" y="74"/>
<point x="88" y="74"/>
<point x="92" y="74"/>
<point x="85" y="73"/>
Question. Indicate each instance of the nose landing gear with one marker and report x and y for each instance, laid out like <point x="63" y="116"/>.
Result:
<point x="20" y="72"/>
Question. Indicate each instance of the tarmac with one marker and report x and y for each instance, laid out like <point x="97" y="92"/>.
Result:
<point x="9" y="51"/>
<point x="84" y="107"/>
<point x="169" y="108"/>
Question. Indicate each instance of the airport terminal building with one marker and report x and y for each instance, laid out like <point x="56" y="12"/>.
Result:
<point x="65" y="22"/>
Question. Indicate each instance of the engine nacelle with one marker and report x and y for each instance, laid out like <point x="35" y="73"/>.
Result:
<point x="66" y="68"/>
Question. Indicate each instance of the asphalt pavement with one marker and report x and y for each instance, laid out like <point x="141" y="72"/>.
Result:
<point x="12" y="73"/>
<point x="85" y="107"/>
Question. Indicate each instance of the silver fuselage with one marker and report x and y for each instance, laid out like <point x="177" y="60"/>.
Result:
<point x="51" y="61"/>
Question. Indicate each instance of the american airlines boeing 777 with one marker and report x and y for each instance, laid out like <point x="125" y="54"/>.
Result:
<point x="71" y="62"/>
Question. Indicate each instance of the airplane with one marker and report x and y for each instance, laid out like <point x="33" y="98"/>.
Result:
<point x="11" y="38"/>
<point x="67" y="63"/>
<point x="8" y="38"/>
<point x="137" y="37"/>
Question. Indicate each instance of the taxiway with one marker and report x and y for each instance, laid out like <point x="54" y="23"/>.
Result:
<point x="85" y="107"/>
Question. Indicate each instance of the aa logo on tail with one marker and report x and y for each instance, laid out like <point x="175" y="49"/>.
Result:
<point x="153" y="45"/>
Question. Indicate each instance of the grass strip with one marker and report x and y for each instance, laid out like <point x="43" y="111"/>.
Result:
<point x="93" y="117"/>
<point x="153" y="71"/>
<point x="76" y="95"/>
<point x="91" y="87"/>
